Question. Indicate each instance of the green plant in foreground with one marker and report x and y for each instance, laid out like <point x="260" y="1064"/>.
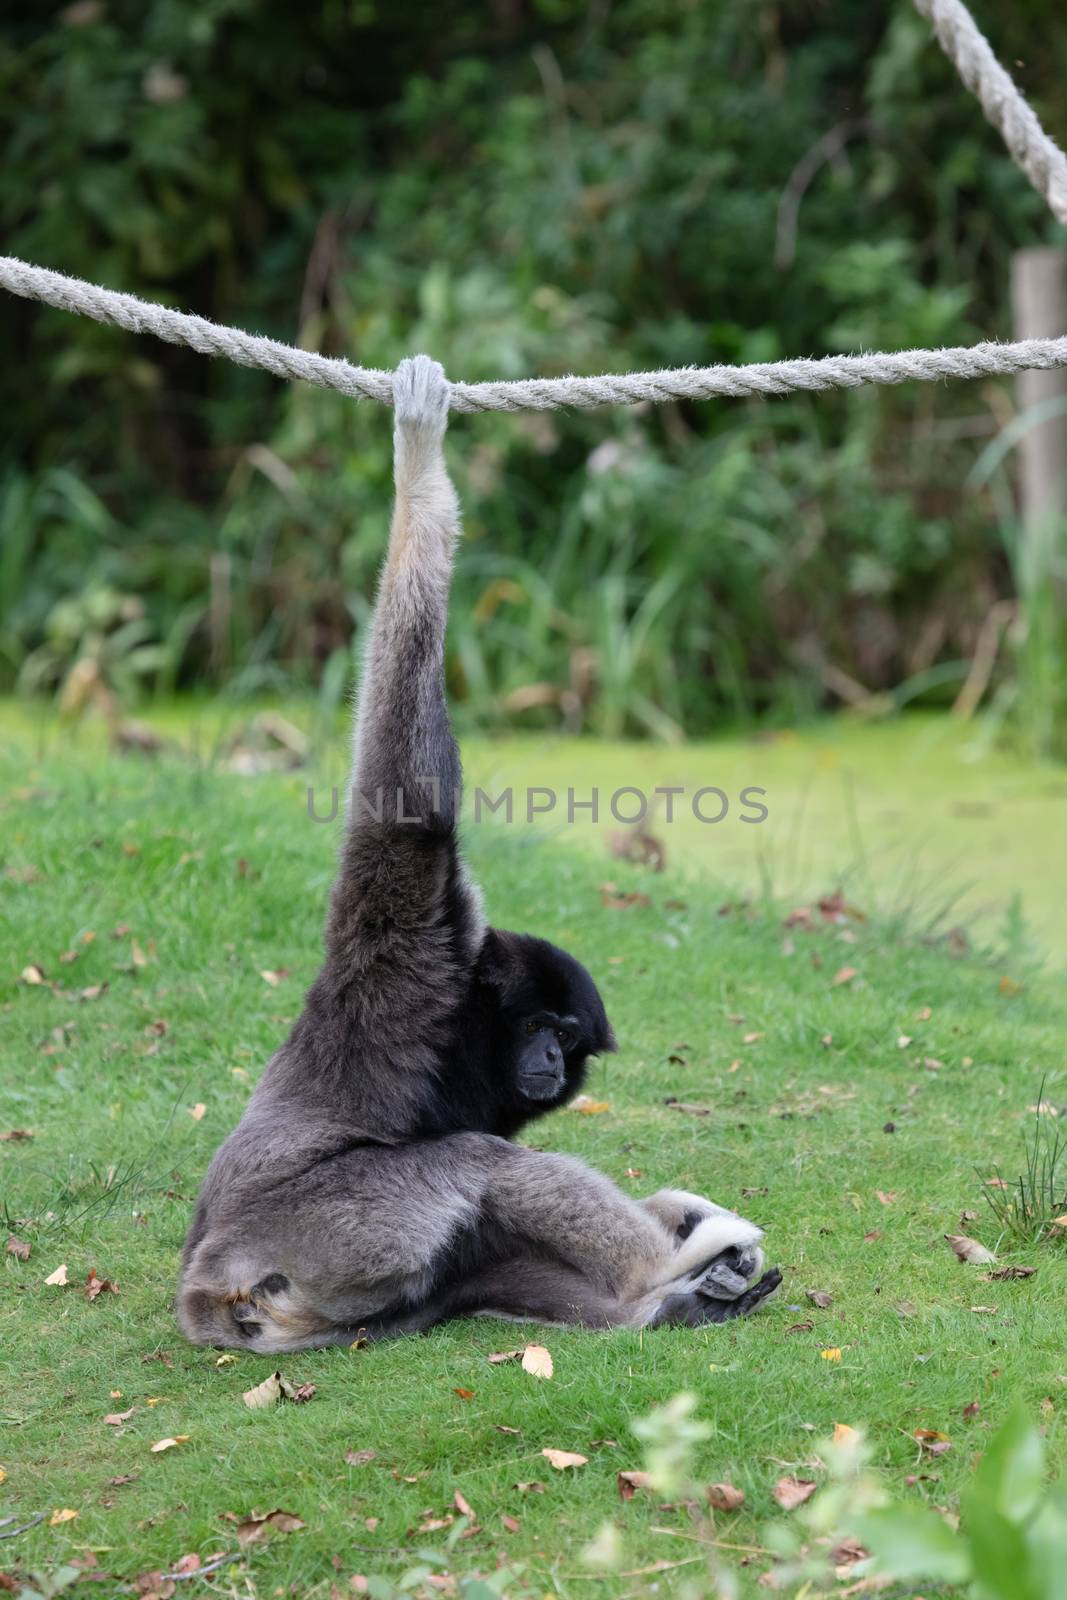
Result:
<point x="1010" y="1542"/>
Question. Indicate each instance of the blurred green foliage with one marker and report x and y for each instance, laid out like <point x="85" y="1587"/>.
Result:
<point x="525" y="186"/>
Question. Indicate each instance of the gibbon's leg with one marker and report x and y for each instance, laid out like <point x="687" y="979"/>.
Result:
<point x="378" y="1242"/>
<point x="681" y="1213"/>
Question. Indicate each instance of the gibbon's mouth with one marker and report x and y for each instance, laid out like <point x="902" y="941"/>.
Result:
<point x="541" y="1085"/>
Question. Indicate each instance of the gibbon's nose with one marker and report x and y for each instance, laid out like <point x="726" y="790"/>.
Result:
<point x="552" y="1056"/>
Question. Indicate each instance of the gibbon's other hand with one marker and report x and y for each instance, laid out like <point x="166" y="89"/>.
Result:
<point x="420" y="396"/>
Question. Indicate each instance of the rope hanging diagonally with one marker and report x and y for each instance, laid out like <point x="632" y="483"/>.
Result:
<point x="1031" y="148"/>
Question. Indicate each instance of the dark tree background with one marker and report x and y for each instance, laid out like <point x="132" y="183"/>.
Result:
<point x="522" y="186"/>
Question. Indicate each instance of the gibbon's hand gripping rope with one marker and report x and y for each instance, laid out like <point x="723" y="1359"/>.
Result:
<point x="1043" y="162"/>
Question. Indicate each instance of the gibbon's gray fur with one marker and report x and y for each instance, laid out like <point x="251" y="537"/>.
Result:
<point x="372" y="1186"/>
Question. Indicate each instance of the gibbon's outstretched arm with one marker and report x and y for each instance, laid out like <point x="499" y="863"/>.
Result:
<point x="403" y="906"/>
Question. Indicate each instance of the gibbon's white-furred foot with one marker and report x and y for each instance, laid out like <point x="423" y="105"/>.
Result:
<point x="372" y="1186"/>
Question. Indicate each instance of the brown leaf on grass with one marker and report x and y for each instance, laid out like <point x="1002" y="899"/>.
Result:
<point x="872" y="1237"/>
<point x="724" y="1497"/>
<point x="168" y="1444"/>
<point x="274" y="1388"/>
<point x="275" y="978"/>
<point x="983" y="1311"/>
<point x="464" y="1394"/>
<point x="612" y="900"/>
<point x="967" y="1217"/>
<point x="843" y="975"/>
<point x="844" y="1434"/>
<point x="58" y="1278"/>
<point x="971" y="1410"/>
<point x="115" y="1419"/>
<point x="512" y="1524"/>
<point x="15" y="1135"/>
<point x="689" y="1109"/>
<point x="800" y="1327"/>
<point x="64" y="1514"/>
<point x="931" y="1442"/>
<point x="96" y="1286"/>
<point x="189" y="1563"/>
<point x="820" y="1298"/>
<point x="258" y="1524"/>
<point x="906" y="1308"/>
<point x="969" y="1250"/>
<point x="532" y="1487"/>
<point x="628" y="1483"/>
<point x="562" y="1459"/>
<point x="752" y="1038"/>
<point x="997" y="1183"/>
<point x="463" y="1505"/>
<point x="1009" y="986"/>
<point x="93" y="992"/>
<point x="360" y="1458"/>
<point x="33" y="975"/>
<point x="792" y="1492"/>
<point x="886" y="1196"/>
<point x="537" y="1361"/>
<point x="588" y="1107"/>
<point x="1011" y="1272"/>
<point x="197" y="1111"/>
<point x="502" y="1427"/>
<point x="17" y="1247"/>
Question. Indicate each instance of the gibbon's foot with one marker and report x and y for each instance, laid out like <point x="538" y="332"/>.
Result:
<point x="420" y="396"/>
<point x="730" y="1274"/>
<point x="691" y="1309"/>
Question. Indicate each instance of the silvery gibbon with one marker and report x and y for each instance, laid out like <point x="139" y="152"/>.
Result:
<point x="372" y="1186"/>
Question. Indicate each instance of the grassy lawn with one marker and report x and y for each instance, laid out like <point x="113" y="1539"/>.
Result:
<point x="177" y="887"/>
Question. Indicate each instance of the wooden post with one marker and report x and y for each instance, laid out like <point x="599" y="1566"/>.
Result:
<point x="1039" y="311"/>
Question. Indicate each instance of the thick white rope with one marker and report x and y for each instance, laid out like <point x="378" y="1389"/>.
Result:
<point x="1042" y="161"/>
<point x="1031" y="148"/>
<point x="529" y="394"/>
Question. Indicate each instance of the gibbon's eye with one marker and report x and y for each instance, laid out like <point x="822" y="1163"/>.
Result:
<point x="565" y="1037"/>
<point x="533" y="1027"/>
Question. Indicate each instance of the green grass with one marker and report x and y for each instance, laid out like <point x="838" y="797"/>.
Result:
<point x="108" y="1179"/>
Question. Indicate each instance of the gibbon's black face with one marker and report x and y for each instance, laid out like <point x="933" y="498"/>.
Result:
<point x="557" y="1020"/>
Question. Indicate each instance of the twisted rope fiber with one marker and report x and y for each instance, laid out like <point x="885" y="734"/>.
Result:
<point x="1031" y="148"/>
<point x="529" y="394"/>
<point x="1029" y="145"/>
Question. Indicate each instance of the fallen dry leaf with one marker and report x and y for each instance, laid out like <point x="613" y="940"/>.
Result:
<point x="18" y="1247"/>
<point x="464" y="1394"/>
<point x="724" y="1497"/>
<point x="93" y="992"/>
<point x="562" y="1459"/>
<point x="64" y="1515"/>
<point x="197" y="1111"/>
<point x="274" y="1388"/>
<point x="33" y="974"/>
<point x="1012" y="1272"/>
<point x="96" y="1286"/>
<point x="833" y="1354"/>
<point x="820" y="1298"/>
<point x="969" y="1250"/>
<point x="844" y="975"/>
<point x="115" y="1419"/>
<point x="532" y="1487"/>
<point x="58" y="1277"/>
<point x="689" y="1109"/>
<point x="168" y="1444"/>
<point x="15" y="1135"/>
<point x="257" y="1525"/>
<point x="360" y="1458"/>
<point x="886" y="1196"/>
<point x="873" y="1236"/>
<point x="463" y="1505"/>
<point x="997" y="1183"/>
<point x="502" y="1427"/>
<point x="512" y="1524"/>
<point x="932" y="1442"/>
<point x="537" y="1361"/>
<point x="588" y="1107"/>
<point x="1009" y="986"/>
<point x="984" y="1311"/>
<point x="227" y="1359"/>
<point x="628" y="1483"/>
<point x="792" y="1492"/>
<point x="843" y="1434"/>
<point x="275" y="978"/>
<point x="800" y="1327"/>
<point x="971" y="1410"/>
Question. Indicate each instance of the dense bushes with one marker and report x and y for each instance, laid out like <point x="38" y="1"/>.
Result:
<point x="524" y="187"/>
